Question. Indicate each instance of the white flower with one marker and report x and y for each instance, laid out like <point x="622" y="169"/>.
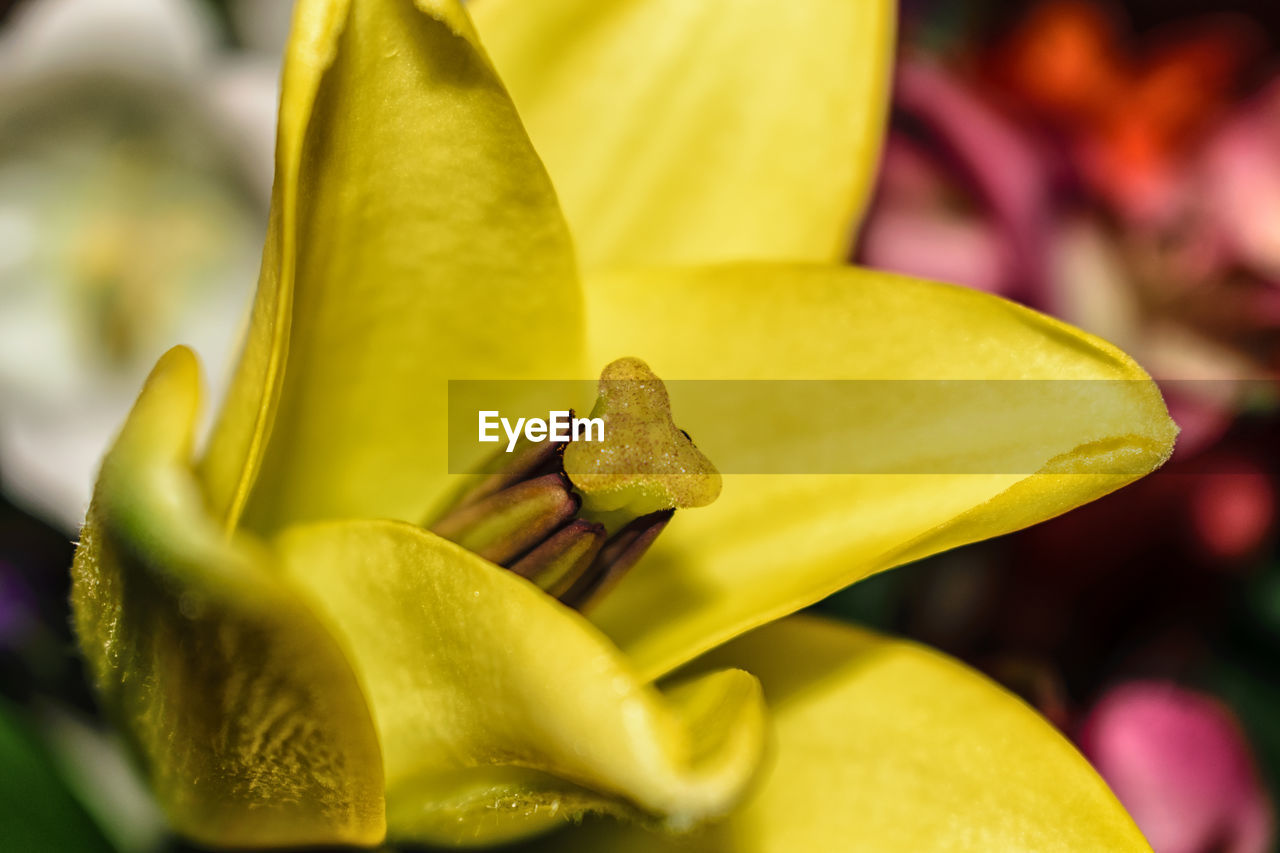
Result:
<point x="135" y="157"/>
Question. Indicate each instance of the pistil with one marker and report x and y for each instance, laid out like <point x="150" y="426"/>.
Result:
<point x="574" y="517"/>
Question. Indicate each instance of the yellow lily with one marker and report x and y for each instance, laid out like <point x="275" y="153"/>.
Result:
<point x="297" y="661"/>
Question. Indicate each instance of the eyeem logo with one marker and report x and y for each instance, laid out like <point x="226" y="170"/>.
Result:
<point x="559" y="426"/>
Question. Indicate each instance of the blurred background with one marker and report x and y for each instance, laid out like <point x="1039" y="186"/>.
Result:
<point x="1115" y="164"/>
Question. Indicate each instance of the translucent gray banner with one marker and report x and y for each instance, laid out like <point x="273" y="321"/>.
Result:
<point x="861" y="426"/>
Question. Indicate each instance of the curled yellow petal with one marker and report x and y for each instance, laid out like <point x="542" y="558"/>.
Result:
<point x="773" y="543"/>
<point x="692" y="132"/>
<point x="884" y="745"/>
<point x="500" y="711"/>
<point x="247" y="719"/>
<point x="414" y="238"/>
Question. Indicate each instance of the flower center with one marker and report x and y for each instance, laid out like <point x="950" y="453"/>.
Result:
<point x="574" y="516"/>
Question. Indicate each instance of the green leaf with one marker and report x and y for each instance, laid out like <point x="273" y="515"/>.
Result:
<point x="37" y="811"/>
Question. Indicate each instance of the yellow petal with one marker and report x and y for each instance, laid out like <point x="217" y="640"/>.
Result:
<point x="772" y="544"/>
<point x="248" y="720"/>
<point x="692" y="132"/>
<point x="500" y="711"/>
<point x="889" y="747"/>
<point x="414" y="238"/>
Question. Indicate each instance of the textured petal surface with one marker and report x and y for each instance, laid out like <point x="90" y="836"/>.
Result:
<point x="883" y="745"/>
<point x="414" y="238"/>
<point x="774" y="543"/>
<point x="690" y="131"/>
<point x="502" y="712"/>
<point x="247" y="718"/>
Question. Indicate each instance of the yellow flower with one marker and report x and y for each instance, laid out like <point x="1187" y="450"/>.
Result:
<point x="296" y="660"/>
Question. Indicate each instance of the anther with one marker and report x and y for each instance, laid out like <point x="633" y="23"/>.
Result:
<point x="504" y="525"/>
<point x="623" y="550"/>
<point x="530" y="459"/>
<point x="557" y="563"/>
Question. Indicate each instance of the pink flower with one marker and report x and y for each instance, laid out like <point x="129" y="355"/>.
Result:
<point x="963" y="195"/>
<point x="1241" y="185"/>
<point x="1179" y="762"/>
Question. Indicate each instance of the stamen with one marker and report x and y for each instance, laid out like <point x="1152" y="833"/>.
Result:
<point x="619" y="554"/>
<point x="505" y="525"/>
<point x="557" y="563"/>
<point x="530" y="459"/>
